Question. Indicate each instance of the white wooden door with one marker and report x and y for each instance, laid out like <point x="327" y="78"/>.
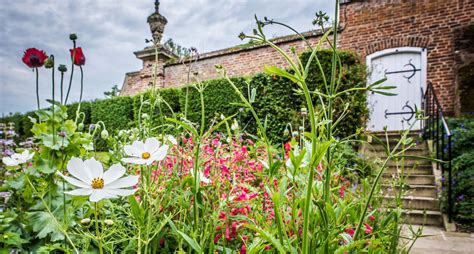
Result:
<point x="404" y="68"/>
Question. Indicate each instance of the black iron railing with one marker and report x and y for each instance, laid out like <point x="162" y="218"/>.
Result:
<point x="436" y="129"/>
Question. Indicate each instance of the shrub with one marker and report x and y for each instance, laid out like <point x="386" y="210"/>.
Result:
<point x="219" y="98"/>
<point x="462" y="142"/>
<point x="170" y="96"/>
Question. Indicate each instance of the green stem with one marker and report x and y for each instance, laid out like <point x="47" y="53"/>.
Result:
<point x="72" y="71"/>
<point x="97" y="231"/>
<point x="309" y="187"/>
<point x="37" y="88"/>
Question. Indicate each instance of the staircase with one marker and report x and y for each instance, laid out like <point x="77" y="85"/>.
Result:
<point x="420" y="195"/>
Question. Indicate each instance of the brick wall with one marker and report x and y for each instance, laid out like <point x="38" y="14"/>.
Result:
<point x="367" y="26"/>
<point x="374" y="25"/>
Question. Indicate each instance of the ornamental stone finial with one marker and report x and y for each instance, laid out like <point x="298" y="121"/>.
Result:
<point x="157" y="6"/>
<point x="157" y="23"/>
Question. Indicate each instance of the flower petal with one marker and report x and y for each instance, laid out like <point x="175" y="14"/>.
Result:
<point x="97" y="195"/>
<point x="80" y="192"/>
<point x="121" y="192"/>
<point x="139" y="146"/>
<point x="95" y="168"/>
<point x="30" y="156"/>
<point x="9" y="161"/>
<point x="115" y="172"/>
<point x="124" y="182"/>
<point x="74" y="181"/>
<point x="160" y="154"/>
<point x="132" y="151"/>
<point x="134" y="160"/>
<point x="76" y="167"/>
<point x="151" y="145"/>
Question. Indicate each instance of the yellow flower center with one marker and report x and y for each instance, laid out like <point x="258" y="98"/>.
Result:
<point x="97" y="183"/>
<point x="145" y="155"/>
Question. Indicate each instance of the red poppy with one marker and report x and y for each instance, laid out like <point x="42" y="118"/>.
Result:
<point x="34" y="57"/>
<point x="78" y="56"/>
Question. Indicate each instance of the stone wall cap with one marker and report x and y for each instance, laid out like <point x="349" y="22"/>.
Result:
<point x="149" y="52"/>
<point x="246" y="47"/>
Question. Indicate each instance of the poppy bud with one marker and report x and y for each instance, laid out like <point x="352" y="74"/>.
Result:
<point x="104" y="134"/>
<point x="286" y="132"/>
<point x="62" y="68"/>
<point x="80" y="126"/>
<point x="49" y="63"/>
<point x="73" y="37"/>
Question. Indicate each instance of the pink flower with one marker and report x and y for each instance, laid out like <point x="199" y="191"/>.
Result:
<point x="243" y="250"/>
<point x="368" y="229"/>
<point x="350" y="231"/>
<point x="372" y="217"/>
<point x="341" y="191"/>
<point x="227" y="234"/>
<point x="216" y="238"/>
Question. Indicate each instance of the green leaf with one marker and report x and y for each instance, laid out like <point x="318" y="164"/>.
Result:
<point x="190" y="241"/>
<point x="267" y="236"/>
<point x="282" y="73"/>
<point x="43" y="224"/>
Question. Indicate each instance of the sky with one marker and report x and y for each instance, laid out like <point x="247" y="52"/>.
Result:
<point x="109" y="31"/>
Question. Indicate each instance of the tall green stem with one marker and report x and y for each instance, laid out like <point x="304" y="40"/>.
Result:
<point x="72" y="71"/>
<point x="309" y="187"/>
<point x="97" y="230"/>
<point x="37" y="88"/>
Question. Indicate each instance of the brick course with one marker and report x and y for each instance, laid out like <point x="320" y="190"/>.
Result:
<point x="367" y="26"/>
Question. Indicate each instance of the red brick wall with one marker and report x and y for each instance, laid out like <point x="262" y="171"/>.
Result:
<point x="237" y="62"/>
<point x="367" y="26"/>
<point x="374" y="25"/>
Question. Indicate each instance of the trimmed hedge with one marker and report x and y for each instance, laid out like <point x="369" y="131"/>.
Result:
<point x="276" y="100"/>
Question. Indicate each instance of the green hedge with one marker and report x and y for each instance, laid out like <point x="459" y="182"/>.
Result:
<point x="276" y="100"/>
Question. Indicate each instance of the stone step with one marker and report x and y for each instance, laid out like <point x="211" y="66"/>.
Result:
<point x="409" y="179"/>
<point x="415" y="170"/>
<point x="396" y="134"/>
<point x="383" y="153"/>
<point x="414" y="203"/>
<point x="417" y="190"/>
<point x="418" y="217"/>
<point x="407" y="163"/>
<point x="377" y="146"/>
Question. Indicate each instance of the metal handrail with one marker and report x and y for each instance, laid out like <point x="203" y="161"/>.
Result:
<point x="436" y="129"/>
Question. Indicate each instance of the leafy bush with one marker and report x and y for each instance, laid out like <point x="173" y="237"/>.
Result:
<point x="116" y="113"/>
<point x="167" y="102"/>
<point x="219" y="98"/>
<point x="462" y="163"/>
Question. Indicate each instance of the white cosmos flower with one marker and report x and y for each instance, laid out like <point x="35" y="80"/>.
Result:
<point x="92" y="181"/>
<point x="145" y="152"/>
<point x="18" y="158"/>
